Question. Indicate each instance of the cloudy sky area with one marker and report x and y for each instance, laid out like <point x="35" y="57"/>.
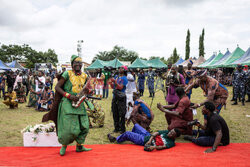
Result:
<point x="149" y="27"/>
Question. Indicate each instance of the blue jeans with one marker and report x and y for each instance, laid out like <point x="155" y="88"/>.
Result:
<point x="203" y="139"/>
<point x="105" y="91"/>
<point x="136" y="136"/>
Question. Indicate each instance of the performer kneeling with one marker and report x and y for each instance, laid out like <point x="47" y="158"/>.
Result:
<point x="142" y="113"/>
<point x="181" y="115"/>
<point x="72" y="122"/>
<point x="214" y="134"/>
<point x="162" y="139"/>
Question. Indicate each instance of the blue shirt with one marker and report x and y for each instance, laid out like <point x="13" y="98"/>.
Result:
<point x="144" y="108"/>
<point x="122" y="80"/>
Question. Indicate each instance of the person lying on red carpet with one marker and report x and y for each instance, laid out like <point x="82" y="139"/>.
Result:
<point x="214" y="134"/>
<point x="162" y="139"/>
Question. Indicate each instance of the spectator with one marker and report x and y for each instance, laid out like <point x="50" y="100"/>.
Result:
<point x="2" y="84"/>
<point x="45" y="100"/>
<point x="151" y="82"/>
<point x="189" y="77"/>
<point x="99" y="83"/>
<point x="118" y="107"/>
<point x="32" y="88"/>
<point x="10" y="99"/>
<point x="40" y="81"/>
<point x="130" y="89"/>
<point x="141" y="82"/>
<point x="107" y="75"/>
<point x="20" y="91"/>
<point x="174" y="80"/>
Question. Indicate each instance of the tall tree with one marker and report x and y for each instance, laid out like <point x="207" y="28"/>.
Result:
<point x="201" y="44"/>
<point x="121" y="53"/>
<point x="173" y="58"/>
<point x="187" y="45"/>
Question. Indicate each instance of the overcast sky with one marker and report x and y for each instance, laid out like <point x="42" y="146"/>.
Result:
<point x="149" y="27"/>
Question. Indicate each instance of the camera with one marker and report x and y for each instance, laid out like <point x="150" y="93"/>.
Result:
<point x="171" y="79"/>
<point x="108" y="68"/>
<point x="194" y="122"/>
<point x="159" y="71"/>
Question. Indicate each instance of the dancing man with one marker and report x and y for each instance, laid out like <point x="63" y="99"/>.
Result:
<point x="72" y="123"/>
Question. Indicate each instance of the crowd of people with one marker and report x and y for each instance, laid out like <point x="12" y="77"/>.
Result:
<point x="37" y="84"/>
<point x="73" y="122"/>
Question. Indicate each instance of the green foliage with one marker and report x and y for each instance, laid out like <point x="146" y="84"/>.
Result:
<point x="143" y="58"/>
<point x="121" y="53"/>
<point x="26" y="54"/>
<point x="201" y="44"/>
<point x="173" y="58"/>
<point x="187" y="45"/>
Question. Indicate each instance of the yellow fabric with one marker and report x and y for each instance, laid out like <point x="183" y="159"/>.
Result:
<point x="77" y="81"/>
<point x="13" y="99"/>
<point x="78" y="59"/>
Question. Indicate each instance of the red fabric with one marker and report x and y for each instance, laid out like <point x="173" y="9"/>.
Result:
<point x="158" y="141"/>
<point x="183" y="154"/>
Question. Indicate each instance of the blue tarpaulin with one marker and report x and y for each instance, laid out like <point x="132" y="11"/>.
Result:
<point x="179" y="61"/>
<point x="4" y="66"/>
<point x="15" y="64"/>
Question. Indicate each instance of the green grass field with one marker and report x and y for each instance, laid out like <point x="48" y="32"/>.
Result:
<point x="13" y="121"/>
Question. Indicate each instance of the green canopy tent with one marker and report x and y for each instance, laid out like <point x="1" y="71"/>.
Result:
<point x="139" y="63"/>
<point x="113" y="63"/>
<point x="216" y="59"/>
<point x="245" y="59"/>
<point x="100" y="64"/>
<point x="238" y="52"/>
<point x="156" y="63"/>
<point x="97" y="64"/>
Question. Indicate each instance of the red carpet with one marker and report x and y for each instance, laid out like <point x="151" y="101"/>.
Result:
<point x="184" y="154"/>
